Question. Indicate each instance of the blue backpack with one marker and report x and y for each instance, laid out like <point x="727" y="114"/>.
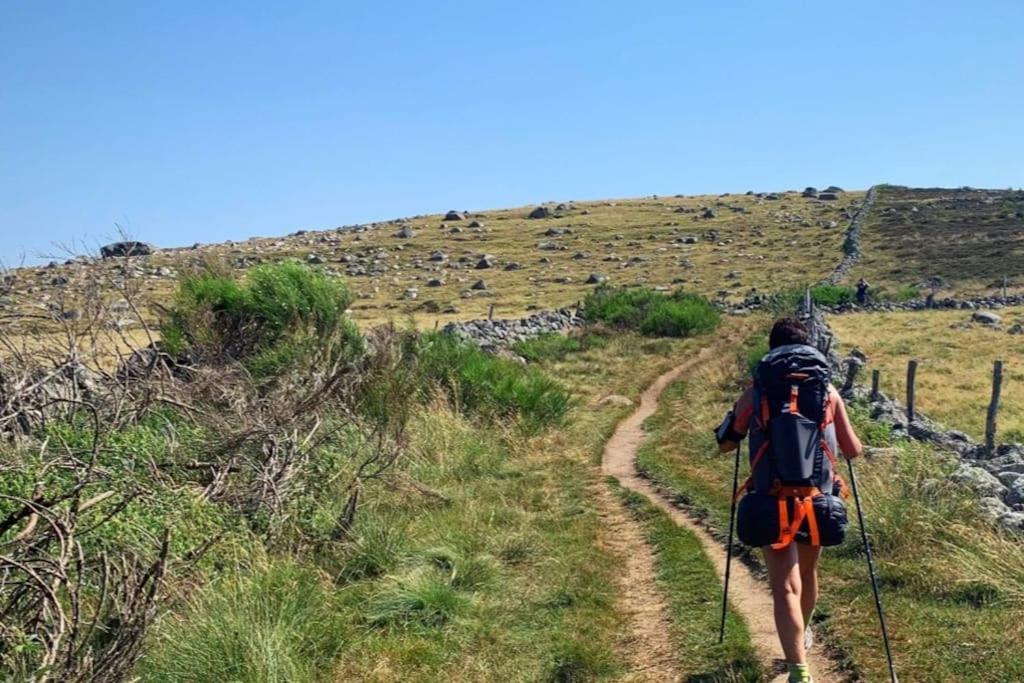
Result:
<point x="792" y="490"/>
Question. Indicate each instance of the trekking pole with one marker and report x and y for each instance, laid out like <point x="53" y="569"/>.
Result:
<point x="871" y="571"/>
<point x="728" y="552"/>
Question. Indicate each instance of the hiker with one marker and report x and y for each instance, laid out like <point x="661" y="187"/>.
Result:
<point x="797" y="422"/>
<point x="862" y="291"/>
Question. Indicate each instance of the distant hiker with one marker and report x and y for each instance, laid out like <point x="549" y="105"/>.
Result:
<point x="797" y="423"/>
<point x="862" y="291"/>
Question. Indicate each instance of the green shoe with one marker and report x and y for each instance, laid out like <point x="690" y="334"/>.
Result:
<point x="799" y="673"/>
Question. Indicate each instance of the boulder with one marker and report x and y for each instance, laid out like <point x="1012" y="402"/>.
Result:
<point x="615" y="400"/>
<point x="453" y="216"/>
<point x="828" y="196"/>
<point x="476" y="224"/>
<point x="709" y="213"/>
<point x="513" y="265"/>
<point x="479" y="285"/>
<point x="984" y="483"/>
<point x="486" y="261"/>
<point x="540" y="212"/>
<point x="125" y="248"/>
<point x="1015" y="495"/>
<point x="986" y="318"/>
<point x="405" y="233"/>
<point x="596" y="279"/>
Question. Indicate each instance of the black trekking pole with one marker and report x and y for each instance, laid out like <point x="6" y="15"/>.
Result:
<point x="728" y="552"/>
<point x="871" y="571"/>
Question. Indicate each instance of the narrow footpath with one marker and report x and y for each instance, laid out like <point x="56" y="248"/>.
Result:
<point x="749" y="596"/>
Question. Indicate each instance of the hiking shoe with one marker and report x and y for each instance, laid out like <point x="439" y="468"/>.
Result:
<point x="808" y="639"/>
<point x="799" y="673"/>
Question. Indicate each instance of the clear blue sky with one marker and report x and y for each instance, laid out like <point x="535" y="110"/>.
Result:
<point x="188" y="121"/>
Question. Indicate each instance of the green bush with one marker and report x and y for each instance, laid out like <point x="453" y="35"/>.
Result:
<point x="680" y="314"/>
<point x="281" y="315"/>
<point x="554" y="346"/>
<point x="485" y="384"/>
<point x="833" y="295"/>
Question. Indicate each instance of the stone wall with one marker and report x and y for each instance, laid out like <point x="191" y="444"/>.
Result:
<point x="851" y="245"/>
<point x="499" y="333"/>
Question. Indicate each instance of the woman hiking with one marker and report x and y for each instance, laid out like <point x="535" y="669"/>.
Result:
<point x="792" y="504"/>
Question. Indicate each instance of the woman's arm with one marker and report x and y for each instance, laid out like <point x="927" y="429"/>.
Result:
<point x="849" y="444"/>
<point x="741" y="414"/>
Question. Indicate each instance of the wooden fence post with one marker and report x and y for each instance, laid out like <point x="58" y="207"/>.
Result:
<point x="490" y="313"/>
<point x="911" y="376"/>
<point x="1006" y="282"/>
<point x="875" y="377"/>
<point x="993" y="406"/>
<point x="435" y="324"/>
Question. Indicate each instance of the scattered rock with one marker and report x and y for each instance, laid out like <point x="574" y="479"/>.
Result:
<point x="125" y="249"/>
<point x="454" y="216"/>
<point x="986" y="318"/>
<point x="596" y="279"/>
<point x="979" y="480"/>
<point x="615" y="400"/>
<point x="486" y="261"/>
<point x="405" y="233"/>
<point x="540" y="212"/>
<point x="479" y="285"/>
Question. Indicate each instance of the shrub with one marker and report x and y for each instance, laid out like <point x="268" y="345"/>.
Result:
<point x="679" y="314"/>
<point x="494" y="387"/>
<point x="554" y="346"/>
<point x="682" y="315"/>
<point x="282" y="314"/>
<point x="833" y="295"/>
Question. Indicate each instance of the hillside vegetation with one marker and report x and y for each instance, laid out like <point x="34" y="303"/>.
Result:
<point x="962" y="241"/>
<point x="427" y="266"/>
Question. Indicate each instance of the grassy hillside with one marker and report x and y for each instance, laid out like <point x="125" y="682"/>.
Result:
<point x="968" y="238"/>
<point x="954" y="375"/>
<point x="767" y="241"/>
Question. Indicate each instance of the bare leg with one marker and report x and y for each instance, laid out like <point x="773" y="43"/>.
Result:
<point x="784" y="577"/>
<point x="808" y="556"/>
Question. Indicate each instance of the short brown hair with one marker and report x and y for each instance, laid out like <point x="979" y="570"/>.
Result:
<point x="787" y="331"/>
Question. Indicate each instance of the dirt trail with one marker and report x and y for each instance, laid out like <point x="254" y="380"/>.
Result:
<point x="748" y="595"/>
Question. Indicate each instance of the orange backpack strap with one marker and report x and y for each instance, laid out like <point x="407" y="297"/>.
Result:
<point x="803" y="509"/>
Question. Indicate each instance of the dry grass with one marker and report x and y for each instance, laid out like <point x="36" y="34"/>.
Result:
<point x="767" y="244"/>
<point x="954" y="375"/>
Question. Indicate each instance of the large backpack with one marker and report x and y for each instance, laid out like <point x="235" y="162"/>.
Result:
<point x="792" y="482"/>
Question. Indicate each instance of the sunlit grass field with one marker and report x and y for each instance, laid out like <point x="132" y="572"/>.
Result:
<point x="954" y="374"/>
